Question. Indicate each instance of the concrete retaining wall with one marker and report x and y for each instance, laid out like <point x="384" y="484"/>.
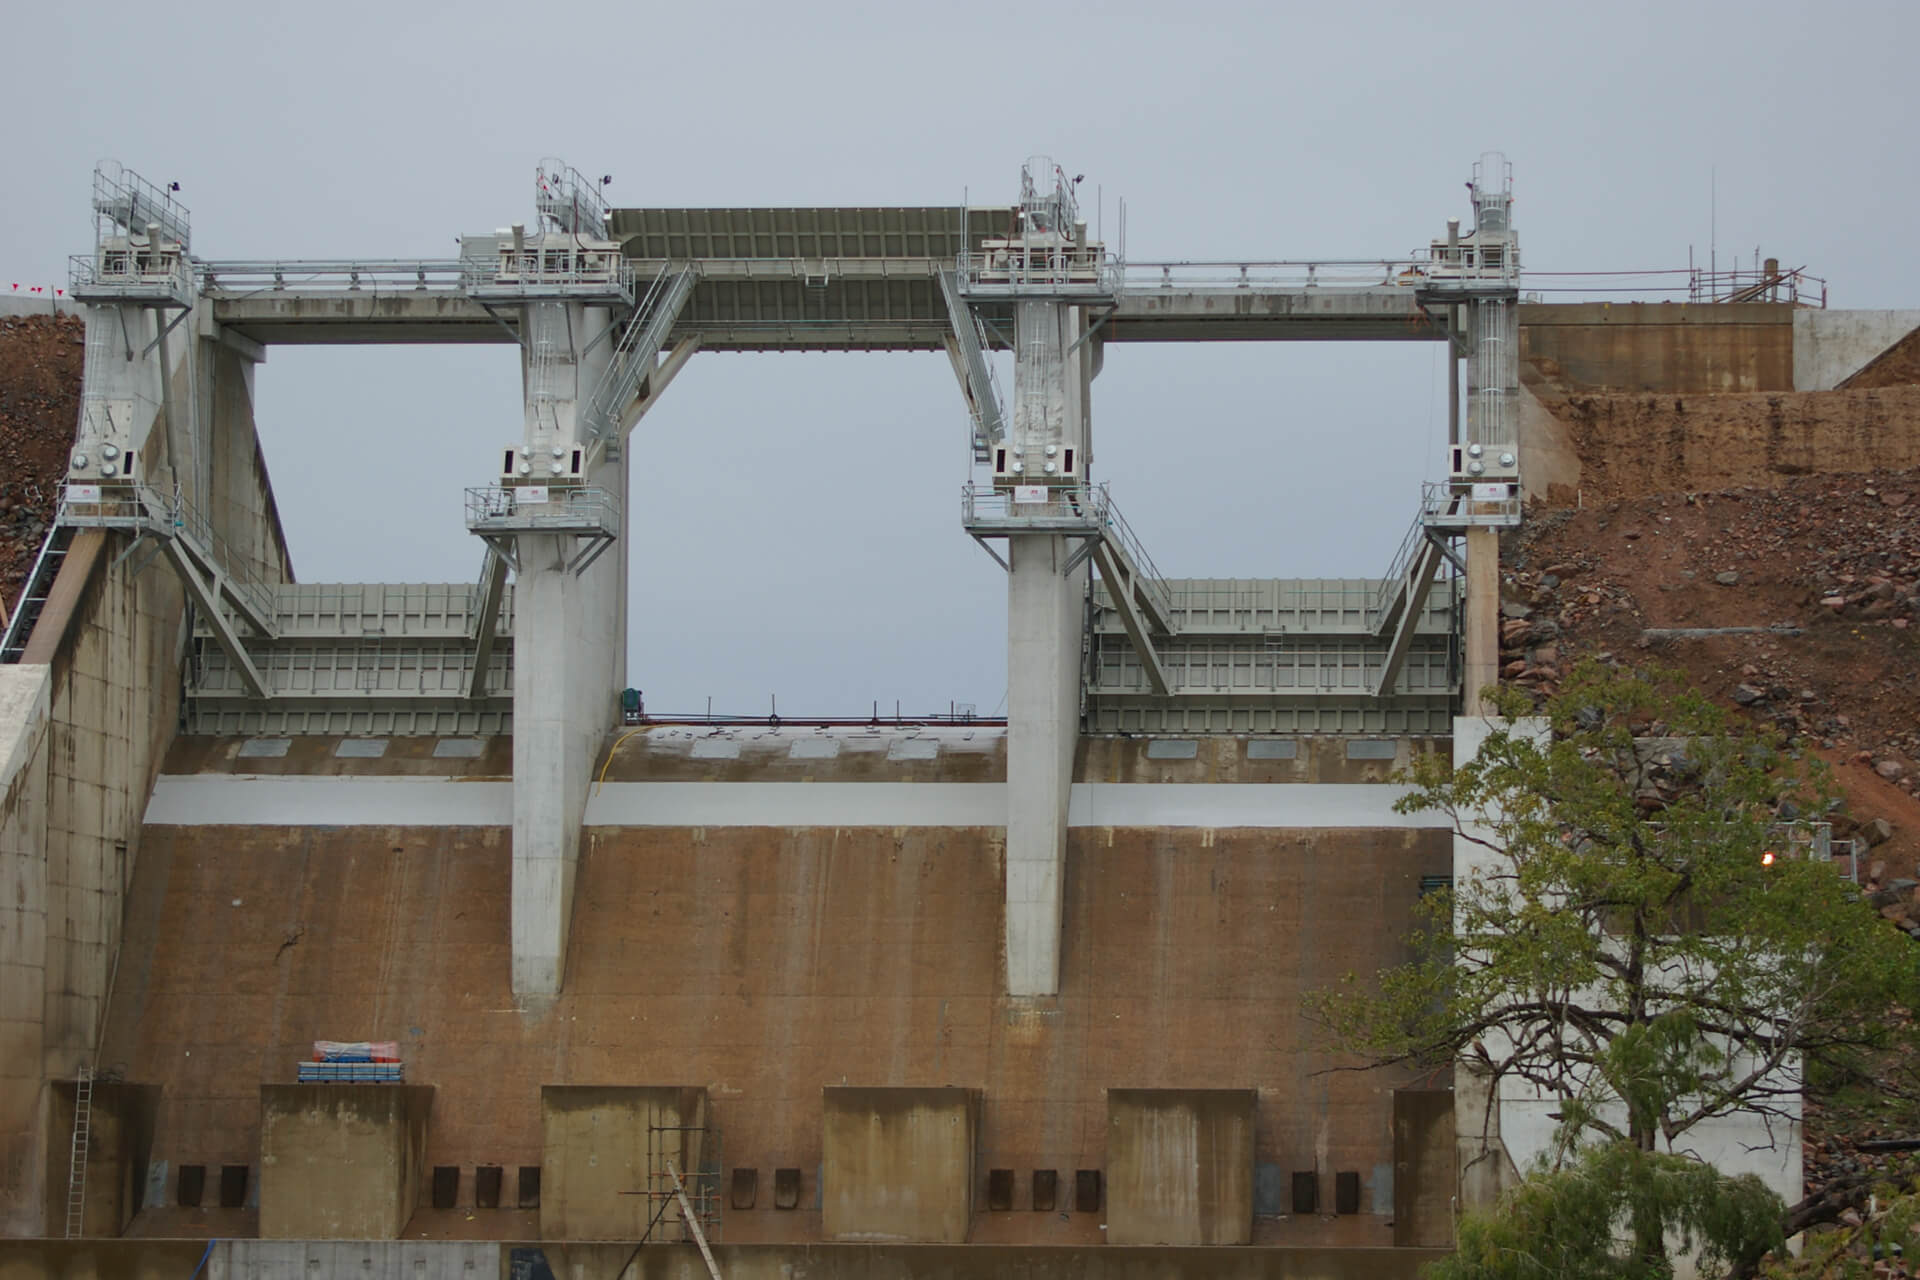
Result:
<point x="1659" y="347"/>
<point x="1831" y="346"/>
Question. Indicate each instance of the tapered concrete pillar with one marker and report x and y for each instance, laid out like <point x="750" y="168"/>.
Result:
<point x="569" y="653"/>
<point x="1045" y="621"/>
<point x="1482" y="665"/>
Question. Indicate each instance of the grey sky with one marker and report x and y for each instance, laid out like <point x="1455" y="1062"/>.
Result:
<point x="796" y="517"/>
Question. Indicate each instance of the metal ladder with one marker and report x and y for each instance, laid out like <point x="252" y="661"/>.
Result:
<point x="34" y="597"/>
<point x="77" y="1158"/>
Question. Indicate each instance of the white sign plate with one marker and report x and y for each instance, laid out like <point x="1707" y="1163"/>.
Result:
<point x="1491" y="493"/>
<point x="83" y="493"/>
<point x="1027" y="493"/>
<point x="529" y="495"/>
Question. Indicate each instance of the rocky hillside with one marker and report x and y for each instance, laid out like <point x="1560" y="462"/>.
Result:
<point x="40" y="361"/>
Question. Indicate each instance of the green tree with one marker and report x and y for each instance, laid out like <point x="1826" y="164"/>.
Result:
<point x="1562" y="1222"/>
<point x="1638" y="940"/>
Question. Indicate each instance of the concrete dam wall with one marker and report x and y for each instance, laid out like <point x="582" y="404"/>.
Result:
<point x="768" y="963"/>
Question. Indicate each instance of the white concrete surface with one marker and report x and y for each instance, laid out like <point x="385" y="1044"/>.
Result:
<point x="569" y="653"/>
<point x="411" y="801"/>
<point x="1044" y="602"/>
<point x="1831" y="346"/>
<point x="256" y="800"/>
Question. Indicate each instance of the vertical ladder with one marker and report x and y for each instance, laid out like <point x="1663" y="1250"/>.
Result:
<point x="34" y="597"/>
<point x="77" y="1158"/>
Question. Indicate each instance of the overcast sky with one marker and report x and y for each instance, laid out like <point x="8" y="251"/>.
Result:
<point x="795" y="522"/>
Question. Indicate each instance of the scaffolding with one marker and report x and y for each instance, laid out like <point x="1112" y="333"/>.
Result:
<point x="683" y="1172"/>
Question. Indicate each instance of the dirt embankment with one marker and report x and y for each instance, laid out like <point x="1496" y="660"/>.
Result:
<point x="40" y="364"/>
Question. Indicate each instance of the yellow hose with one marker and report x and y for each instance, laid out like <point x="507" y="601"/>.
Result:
<point x="610" y="750"/>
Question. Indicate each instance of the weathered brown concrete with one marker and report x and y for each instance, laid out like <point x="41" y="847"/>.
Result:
<point x="341" y="1161"/>
<point x="604" y="1174"/>
<point x="665" y="754"/>
<point x="317" y="757"/>
<point x="1180" y="1166"/>
<point x="766" y="964"/>
<point x="120" y="1142"/>
<point x="1659" y="347"/>
<point x="1221" y="758"/>
<point x="172" y="1259"/>
<point x="1630" y="444"/>
<point x="1424" y="1177"/>
<point x="899" y="1164"/>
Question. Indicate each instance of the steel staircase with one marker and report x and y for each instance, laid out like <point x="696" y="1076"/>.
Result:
<point x="33" y="599"/>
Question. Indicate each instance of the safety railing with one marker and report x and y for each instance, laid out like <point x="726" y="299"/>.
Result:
<point x="633" y="356"/>
<point x="1398" y="569"/>
<point x="1085" y="510"/>
<point x="566" y="201"/>
<point x="145" y="509"/>
<point x="1331" y="273"/>
<point x="1760" y="284"/>
<point x="126" y="202"/>
<point x="1075" y="508"/>
<point x="1039" y="268"/>
<point x="542" y="509"/>
<point x="547" y="269"/>
<point x="130" y="274"/>
<point x="1442" y="507"/>
<point x="444" y="275"/>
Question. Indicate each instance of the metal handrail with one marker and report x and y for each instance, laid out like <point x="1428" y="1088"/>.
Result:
<point x="1088" y="507"/>
<point x="505" y="509"/>
<point x="1439" y="504"/>
<point x="645" y="334"/>
<point x="543" y="265"/>
<point x="1332" y="273"/>
<point x="118" y="268"/>
<point x="124" y="199"/>
<point x="1399" y="566"/>
<point x="445" y="275"/>
<point x="145" y="509"/>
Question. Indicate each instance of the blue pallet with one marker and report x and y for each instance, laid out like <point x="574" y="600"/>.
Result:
<point x="351" y="1073"/>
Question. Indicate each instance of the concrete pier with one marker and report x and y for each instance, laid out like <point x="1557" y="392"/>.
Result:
<point x="571" y="647"/>
<point x="1045" y="598"/>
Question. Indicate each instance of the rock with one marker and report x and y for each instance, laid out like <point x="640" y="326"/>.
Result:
<point x="1746" y="695"/>
<point x="1514" y="630"/>
<point x="1894" y="499"/>
<point x="1514" y="609"/>
<point x="1835" y="603"/>
<point x="1877" y="832"/>
<point x="1548" y="581"/>
<point x="1727" y="579"/>
<point x="1890" y="769"/>
<point x="1562" y="571"/>
<point x="1876" y="873"/>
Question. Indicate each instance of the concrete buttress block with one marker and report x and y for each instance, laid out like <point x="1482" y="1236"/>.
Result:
<point x="341" y="1161"/>
<point x="1180" y="1166"/>
<point x="605" y="1148"/>
<point x="899" y="1163"/>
